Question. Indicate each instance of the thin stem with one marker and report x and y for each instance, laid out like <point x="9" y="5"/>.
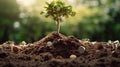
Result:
<point x="58" y="26"/>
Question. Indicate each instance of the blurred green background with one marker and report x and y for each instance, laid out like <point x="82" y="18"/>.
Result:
<point x="98" y="20"/>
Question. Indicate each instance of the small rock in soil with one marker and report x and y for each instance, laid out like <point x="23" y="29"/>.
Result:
<point x="81" y="49"/>
<point x="49" y="43"/>
<point x="73" y="56"/>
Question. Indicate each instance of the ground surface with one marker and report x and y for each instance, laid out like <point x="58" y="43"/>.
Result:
<point x="57" y="50"/>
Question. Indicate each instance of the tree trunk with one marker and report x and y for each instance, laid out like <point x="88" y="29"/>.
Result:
<point x="58" y="26"/>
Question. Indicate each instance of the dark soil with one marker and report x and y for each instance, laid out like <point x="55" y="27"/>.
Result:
<point x="56" y="50"/>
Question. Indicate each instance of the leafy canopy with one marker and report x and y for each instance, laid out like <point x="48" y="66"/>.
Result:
<point x="58" y="9"/>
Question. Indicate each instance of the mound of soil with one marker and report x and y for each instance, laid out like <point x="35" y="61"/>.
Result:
<point x="56" y="44"/>
<point x="57" y="50"/>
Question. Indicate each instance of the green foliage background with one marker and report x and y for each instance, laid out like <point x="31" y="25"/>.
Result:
<point x="98" y="20"/>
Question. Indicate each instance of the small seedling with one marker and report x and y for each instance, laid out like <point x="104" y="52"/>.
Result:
<point x="58" y="9"/>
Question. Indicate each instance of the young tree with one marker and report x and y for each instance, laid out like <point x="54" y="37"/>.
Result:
<point x="58" y="9"/>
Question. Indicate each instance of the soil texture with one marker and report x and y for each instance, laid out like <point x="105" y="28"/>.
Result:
<point x="57" y="50"/>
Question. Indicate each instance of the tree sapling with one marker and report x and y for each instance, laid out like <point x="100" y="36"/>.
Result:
<point x="58" y="9"/>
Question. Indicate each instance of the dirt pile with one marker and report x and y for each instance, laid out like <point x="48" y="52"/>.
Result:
<point x="56" y="44"/>
<point x="57" y="50"/>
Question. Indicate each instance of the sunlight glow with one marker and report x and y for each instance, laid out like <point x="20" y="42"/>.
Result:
<point x="16" y="24"/>
<point x="71" y="1"/>
<point x="26" y="3"/>
<point x="49" y="0"/>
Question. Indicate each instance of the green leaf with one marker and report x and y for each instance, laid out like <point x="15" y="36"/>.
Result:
<point x="73" y="14"/>
<point x="52" y="3"/>
<point x="47" y="15"/>
<point x="41" y="12"/>
<point x="58" y="9"/>
<point x="69" y="7"/>
<point x="47" y="3"/>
